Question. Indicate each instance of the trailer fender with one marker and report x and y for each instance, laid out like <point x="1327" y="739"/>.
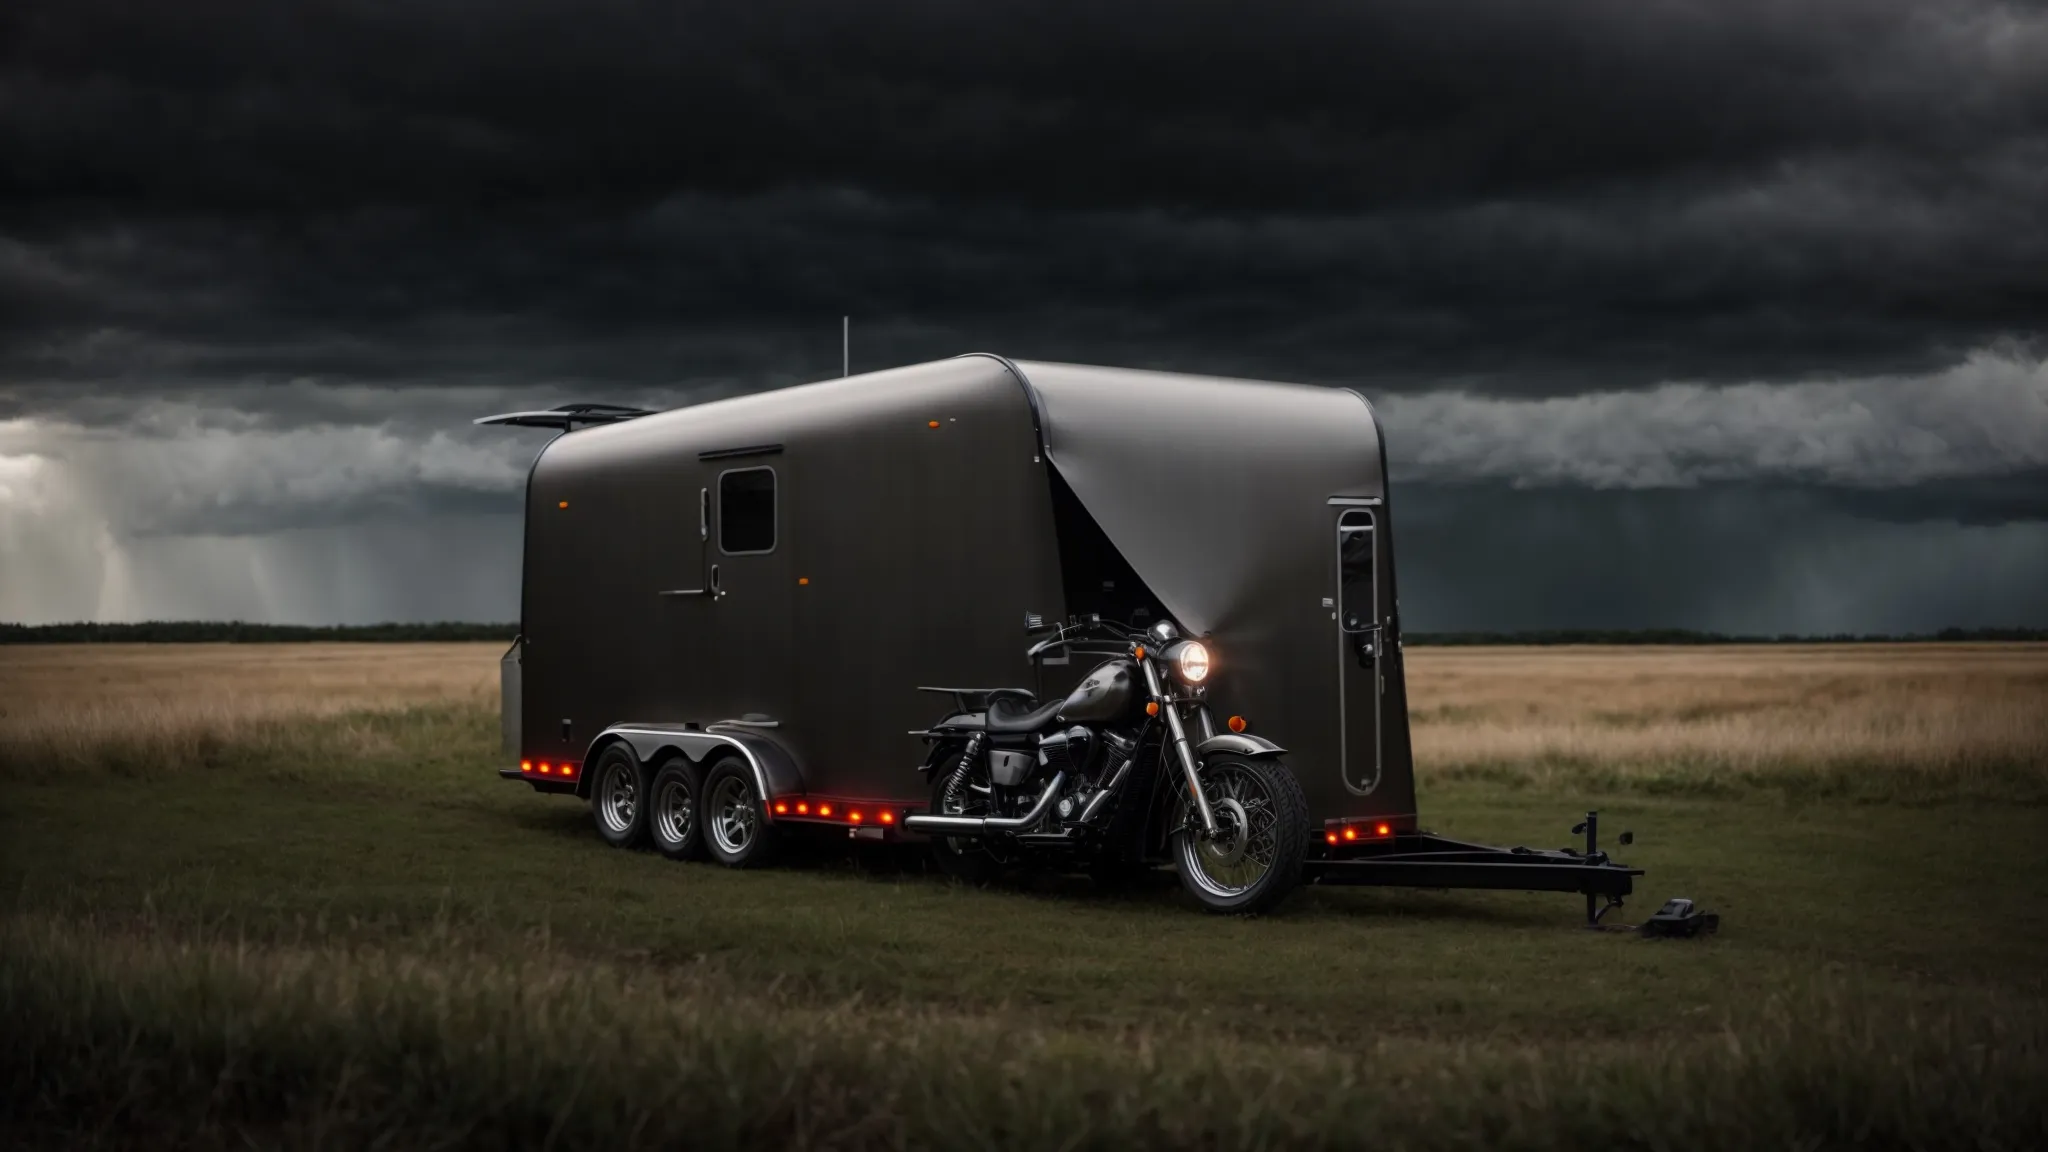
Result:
<point x="1238" y="744"/>
<point x="774" y="769"/>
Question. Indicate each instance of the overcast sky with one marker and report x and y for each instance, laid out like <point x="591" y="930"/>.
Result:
<point x="1727" y="315"/>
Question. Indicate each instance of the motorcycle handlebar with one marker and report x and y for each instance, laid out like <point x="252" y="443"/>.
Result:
<point x="1066" y="633"/>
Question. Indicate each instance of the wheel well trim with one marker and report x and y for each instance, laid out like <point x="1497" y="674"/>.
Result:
<point x="650" y="741"/>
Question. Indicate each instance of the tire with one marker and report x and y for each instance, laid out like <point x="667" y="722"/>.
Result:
<point x="672" y="810"/>
<point x="1253" y="869"/>
<point x="736" y="831"/>
<point x="964" y="858"/>
<point x="617" y="784"/>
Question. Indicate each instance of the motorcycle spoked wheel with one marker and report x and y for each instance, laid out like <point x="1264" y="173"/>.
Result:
<point x="968" y="859"/>
<point x="1256" y="858"/>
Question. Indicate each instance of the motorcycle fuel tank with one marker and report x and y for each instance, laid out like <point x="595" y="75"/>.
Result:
<point x="1107" y="694"/>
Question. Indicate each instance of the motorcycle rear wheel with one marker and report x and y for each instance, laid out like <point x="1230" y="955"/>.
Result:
<point x="964" y="858"/>
<point x="1256" y="858"/>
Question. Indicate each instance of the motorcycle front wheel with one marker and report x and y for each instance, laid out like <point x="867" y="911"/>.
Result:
<point x="1261" y="840"/>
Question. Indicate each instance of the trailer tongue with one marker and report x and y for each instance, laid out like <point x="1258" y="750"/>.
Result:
<point x="1424" y="860"/>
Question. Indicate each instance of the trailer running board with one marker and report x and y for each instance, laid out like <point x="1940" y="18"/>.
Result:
<point x="1432" y="870"/>
<point x="1421" y="860"/>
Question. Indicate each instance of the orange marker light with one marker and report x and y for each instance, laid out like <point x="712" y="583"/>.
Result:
<point x="544" y="769"/>
<point x="1151" y="707"/>
<point x="781" y="808"/>
<point x="526" y="765"/>
<point x="803" y="809"/>
<point x="1237" y="724"/>
<point x="824" y="809"/>
<point x="1139" y="652"/>
<point x="1383" y="829"/>
<point x="888" y="817"/>
<point x="1330" y="836"/>
<point x="1350" y="833"/>
<point x="931" y="423"/>
<point x="803" y="579"/>
<point x="854" y="816"/>
<point x="563" y="504"/>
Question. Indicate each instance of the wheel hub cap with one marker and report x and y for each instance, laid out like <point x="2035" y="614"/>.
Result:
<point x="1227" y="846"/>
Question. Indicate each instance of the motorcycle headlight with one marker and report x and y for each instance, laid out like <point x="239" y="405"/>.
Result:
<point x="1191" y="660"/>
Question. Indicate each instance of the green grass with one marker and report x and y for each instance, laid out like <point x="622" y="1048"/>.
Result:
<point x="263" y="943"/>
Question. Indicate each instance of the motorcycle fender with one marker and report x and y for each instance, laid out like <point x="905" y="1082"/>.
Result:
<point x="1238" y="744"/>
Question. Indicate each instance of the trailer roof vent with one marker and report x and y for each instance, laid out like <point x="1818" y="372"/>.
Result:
<point x="567" y="416"/>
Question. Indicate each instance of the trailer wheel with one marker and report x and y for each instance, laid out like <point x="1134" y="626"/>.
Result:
<point x="736" y="832"/>
<point x="672" y="807"/>
<point x="617" y="785"/>
<point x="1262" y="823"/>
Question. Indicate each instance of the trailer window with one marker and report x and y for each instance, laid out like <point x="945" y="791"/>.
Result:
<point x="746" y="511"/>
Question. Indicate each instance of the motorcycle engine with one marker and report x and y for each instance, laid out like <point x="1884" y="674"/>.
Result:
<point x="1082" y="754"/>
<point x="1066" y="752"/>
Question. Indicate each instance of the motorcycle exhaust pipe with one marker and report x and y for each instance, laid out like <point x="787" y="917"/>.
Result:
<point x="983" y="825"/>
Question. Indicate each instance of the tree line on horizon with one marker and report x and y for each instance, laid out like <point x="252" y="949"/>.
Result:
<point x="239" y="632"/>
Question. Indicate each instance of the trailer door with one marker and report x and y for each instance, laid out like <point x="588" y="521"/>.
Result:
<point x="743" y="673"/>
<point x="1357" y="639"/>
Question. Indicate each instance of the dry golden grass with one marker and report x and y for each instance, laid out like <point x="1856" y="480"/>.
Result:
<point x="69" y="704"/>
<point x="1872" y="721"/>
<point x="1962" y="719"/>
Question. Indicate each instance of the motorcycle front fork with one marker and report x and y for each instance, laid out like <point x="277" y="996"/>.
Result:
<point x="1177" y="731"/>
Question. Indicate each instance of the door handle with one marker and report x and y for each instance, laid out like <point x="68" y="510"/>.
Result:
<point x="681" y="592"/>
<point x="717" y="589"/>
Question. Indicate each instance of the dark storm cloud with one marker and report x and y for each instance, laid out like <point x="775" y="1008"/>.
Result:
<point x="1527" y="198"/>
<point x="1318" y="106"/>
<point x="260" y="264"/>
<point x="1736" y="559"/>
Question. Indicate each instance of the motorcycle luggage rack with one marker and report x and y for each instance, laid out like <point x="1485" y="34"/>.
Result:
<point x="977" y="699"/>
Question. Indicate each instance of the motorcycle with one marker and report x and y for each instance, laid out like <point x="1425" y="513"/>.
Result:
<point x="1127" y="765"/>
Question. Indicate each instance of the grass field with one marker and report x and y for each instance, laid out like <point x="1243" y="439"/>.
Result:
<point x="278" y="896"/>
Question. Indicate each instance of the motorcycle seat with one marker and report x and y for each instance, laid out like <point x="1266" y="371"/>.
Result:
<point x="1018" y="697"/>
<point x="1006" y="714"/>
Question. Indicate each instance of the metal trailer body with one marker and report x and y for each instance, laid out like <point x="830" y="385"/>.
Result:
<point x="918" y="515"/>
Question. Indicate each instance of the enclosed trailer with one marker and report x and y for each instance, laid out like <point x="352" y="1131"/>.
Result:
<point x="778" y="575"/>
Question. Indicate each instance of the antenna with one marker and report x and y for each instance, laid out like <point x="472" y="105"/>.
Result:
<point x="846" y="345"/>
